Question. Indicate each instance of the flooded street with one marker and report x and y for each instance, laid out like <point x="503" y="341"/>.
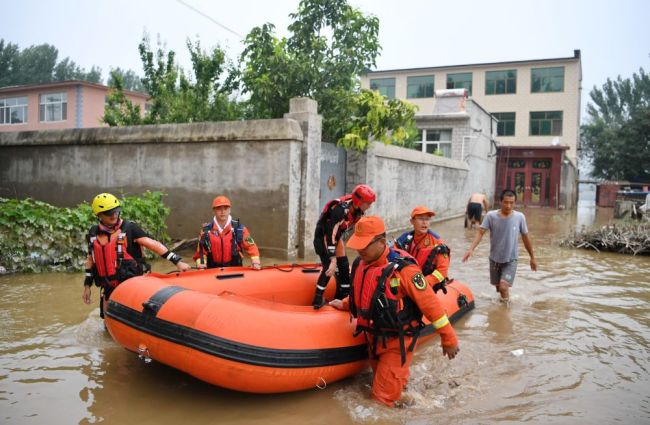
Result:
<point x="572" y="348"/>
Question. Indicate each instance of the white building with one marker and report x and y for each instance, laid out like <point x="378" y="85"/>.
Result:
<point x="536" y="103"/>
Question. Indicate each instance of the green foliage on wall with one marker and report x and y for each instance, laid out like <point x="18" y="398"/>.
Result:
<point x="36" y="236"/>
<point x="374" y="117"/>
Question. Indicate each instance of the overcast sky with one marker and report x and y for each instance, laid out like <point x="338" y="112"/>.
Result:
<point x="614" y="36"/>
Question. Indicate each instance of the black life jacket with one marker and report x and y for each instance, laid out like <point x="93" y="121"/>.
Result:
<point x="351" y="216"/>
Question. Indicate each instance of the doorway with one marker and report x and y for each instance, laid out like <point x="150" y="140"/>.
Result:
<point x="530" y="179"/>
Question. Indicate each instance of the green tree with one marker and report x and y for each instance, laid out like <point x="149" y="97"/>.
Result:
<point x="130" y="80"/>
<point x="617" y="136"/>
<point x="67" y="69"/>
<point x="376" y="118"/>
<point x="35" y="64"/>
<point x="177" y="98"/>
<point x="38" y="64"/>
<point x="120" y="111"/>
<point x="330" y="45"/>
<point x="8" y="63"/>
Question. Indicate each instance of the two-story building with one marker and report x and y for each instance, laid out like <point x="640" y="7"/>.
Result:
<point x="536" y="103"/>
<point x="57" y="105"/>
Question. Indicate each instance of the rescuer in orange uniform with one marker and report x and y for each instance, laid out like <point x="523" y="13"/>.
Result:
<point x="338" y="217"/>
<point x="115" y="250"/>
<point x="389" y="296"/>
<point x="428" y="249"/>
<point x="223" y="240"/>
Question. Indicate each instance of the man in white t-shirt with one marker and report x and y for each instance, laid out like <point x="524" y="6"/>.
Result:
<point x="504" y="225"/>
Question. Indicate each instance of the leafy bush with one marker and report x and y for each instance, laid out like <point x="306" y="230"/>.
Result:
<point x="36" y="236"/>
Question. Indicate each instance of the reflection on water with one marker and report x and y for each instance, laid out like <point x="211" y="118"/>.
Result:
<point x="582" y="322"/>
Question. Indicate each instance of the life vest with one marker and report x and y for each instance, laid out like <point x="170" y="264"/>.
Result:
<point x="375" y="304"/>
<point x="351" y="217"/>
<point x="222" y="249"/>
<point x="425" y="257"/>
<point x="113" y="264"/>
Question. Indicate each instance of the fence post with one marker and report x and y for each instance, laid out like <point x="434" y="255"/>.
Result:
<point x="305" y="111"/>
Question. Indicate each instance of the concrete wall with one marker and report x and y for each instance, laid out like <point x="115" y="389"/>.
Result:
<point x="270" y="169"/>
<point x="404" y="178"/>
<point x="307" y="211"/>
<point x="569" y="190"/>
<point x="257" y="164"/>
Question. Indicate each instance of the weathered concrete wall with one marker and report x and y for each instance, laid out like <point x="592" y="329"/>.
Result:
<point x="404" y="178"/>
<point x="305" y="111"/>
<point x="270" y="169"/>
<point x="257" y="164"/>
<point x="569" y="190"/>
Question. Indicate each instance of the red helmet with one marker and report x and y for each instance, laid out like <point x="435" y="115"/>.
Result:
<point x="363" y="193"/>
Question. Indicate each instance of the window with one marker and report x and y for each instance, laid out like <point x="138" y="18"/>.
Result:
<point x="501" y="82"/>
<point x="53" y="107"/>
<point x="547" y="79"/>
<point x="419" y="87"/>
<point x="506" y="124"/>
<point x="542" y="163"/>
<point x="434" y="141"/>
<point x="13" y="110"/>
<point x="385" y="86"/>
<point x="460" y="81"/>
<point x="548" y="123"/>
<point x="516" y="163"/>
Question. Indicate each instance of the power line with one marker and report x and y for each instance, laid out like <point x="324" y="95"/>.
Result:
<point x="210" y="18"/>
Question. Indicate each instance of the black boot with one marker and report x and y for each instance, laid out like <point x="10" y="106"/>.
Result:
<point x="318" y="300"/>
<point x="342" y="278"/>
<point x="342" y="293"/>
<point x="321" y="285"/>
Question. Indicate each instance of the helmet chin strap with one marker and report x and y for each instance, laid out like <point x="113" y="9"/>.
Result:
<point x="108" y="228"/>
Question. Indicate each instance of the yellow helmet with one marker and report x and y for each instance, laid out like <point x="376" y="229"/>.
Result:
<point x="104" y="202"/>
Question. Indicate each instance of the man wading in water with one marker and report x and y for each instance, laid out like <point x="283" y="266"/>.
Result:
<point x="504" y="226"/>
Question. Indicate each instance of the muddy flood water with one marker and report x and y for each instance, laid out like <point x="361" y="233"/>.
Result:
<point x="573" y="348"/>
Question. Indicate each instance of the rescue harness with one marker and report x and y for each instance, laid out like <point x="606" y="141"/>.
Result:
<point x="428" y="266"/>
<point x="378" y="310"/>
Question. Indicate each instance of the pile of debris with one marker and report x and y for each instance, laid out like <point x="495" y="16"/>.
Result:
<point x="625" y="239"/>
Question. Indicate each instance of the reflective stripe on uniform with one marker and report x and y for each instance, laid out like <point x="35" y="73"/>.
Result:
<point x="443" y="321"/>
<point x="438" y="275"/>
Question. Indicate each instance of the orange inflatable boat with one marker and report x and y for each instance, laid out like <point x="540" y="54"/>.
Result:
<point x="246" y="330"/>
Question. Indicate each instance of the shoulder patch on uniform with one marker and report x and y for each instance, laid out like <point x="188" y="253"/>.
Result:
<point x="419" y="282"/>
<point x="249" y="240"/>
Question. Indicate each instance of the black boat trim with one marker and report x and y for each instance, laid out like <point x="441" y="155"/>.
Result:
<point x="233" y="350"/>
<point x="245" y="353"/>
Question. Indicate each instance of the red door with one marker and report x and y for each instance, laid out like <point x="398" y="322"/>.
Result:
<point x="530" y="180"/>
<point x="540" y="181"/>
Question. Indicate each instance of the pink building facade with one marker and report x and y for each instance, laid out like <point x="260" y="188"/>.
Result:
<point x="55" y="106"/>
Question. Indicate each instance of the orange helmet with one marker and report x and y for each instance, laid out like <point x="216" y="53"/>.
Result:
<point x="363" y="193"/>
<point x="220" y="201"/>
